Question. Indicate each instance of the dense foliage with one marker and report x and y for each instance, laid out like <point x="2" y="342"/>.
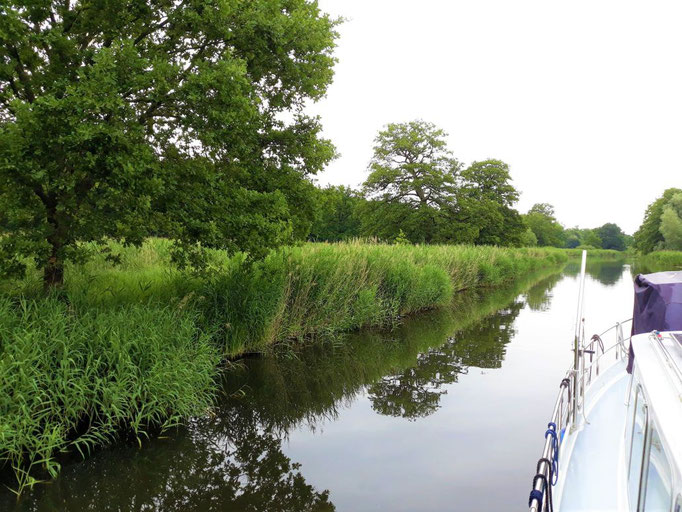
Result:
<point x="336" y="214"/>
<point x="413" y="186"/>
<point x="612" y="237"/>
<point x="542" y="222"/>
<point x="73" y="380"/>
<point x="671" y="223"/>
<point x="608" y="236"/>
<point x="487" y="198"/>
<point x="124" y="118"/>
<point x="417" y="191"/>
<point x="650" y="235"/>
<point x="658" y="261"/>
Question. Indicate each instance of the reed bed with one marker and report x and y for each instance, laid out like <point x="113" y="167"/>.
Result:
<point x="130" y="348"/>
<point x="315" y="289"/>
<point x="73" y="381"/>
<point x="659" y="261"/>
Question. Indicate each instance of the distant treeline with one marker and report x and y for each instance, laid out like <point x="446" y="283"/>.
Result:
<point x="418" y="192"/>
<point x="344" y="213"/>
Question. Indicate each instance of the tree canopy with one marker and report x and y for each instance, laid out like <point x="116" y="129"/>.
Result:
<point x="671" y="223"/>
<point x="412" y="184"/>
<point x="541" y="220"/>
<point x="416" y="185"/>
<point x="336" y="215"/>
<point x="649" y="236"/>
<point x="487" y="200"/>
<point x="612" y="237"/>
<point x="126" y="118"/>
<point x="591" y="238"/>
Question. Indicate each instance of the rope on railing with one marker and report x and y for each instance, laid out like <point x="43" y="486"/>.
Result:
<point x="546" y="487"/>
<point x="551" y="431"/>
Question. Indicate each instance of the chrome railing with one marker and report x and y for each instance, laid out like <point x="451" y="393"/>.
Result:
<point x="547" y="467"/>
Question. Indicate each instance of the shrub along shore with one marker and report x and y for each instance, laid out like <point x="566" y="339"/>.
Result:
<point x="126" y="350"/>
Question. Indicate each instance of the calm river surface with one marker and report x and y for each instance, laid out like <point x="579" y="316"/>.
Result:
<point x="444" y="413"/>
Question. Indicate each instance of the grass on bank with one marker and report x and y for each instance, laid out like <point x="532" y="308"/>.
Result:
<point x="79" y="380"/>
<point x="131" y="348"/>
<point x="659" y="261"/>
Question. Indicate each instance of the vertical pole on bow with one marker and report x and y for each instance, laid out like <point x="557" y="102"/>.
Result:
<point x="577" y="349"/>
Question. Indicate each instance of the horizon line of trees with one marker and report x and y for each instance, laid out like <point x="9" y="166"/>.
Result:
<point x="339" y="217"/>
<point x="418" y="192"/>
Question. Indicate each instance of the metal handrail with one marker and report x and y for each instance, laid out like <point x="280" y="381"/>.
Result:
<point x="667" y="356"/>
<point x="589" y="348"/>
<point x="561" y="420"/>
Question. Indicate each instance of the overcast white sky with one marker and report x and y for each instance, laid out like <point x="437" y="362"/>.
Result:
<point x="583" y="99"/>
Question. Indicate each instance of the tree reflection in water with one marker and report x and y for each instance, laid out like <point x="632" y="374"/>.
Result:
<point x="416" y="391"/>
<point x="228" y="462"/>
<point x="607" y="273"/>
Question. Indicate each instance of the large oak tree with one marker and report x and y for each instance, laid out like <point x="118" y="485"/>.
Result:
<point x="125" y="118"/>
<point x="412" y="184"/>
<point x="418" y="187"/>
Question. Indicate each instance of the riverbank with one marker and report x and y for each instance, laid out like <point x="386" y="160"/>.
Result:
<point x="124" y="351"/>
<point x="659" y="261"/>
<point x="438" y="384"/>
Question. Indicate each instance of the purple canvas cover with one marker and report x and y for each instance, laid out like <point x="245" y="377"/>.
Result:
<point x="658" y="305"/>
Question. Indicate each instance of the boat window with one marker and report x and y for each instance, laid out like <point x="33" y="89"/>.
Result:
<point x="659" y="476"/>
<point x="637" y="449"/>
<point x="678" y="504"/>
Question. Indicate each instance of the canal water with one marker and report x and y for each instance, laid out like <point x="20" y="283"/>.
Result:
<point x="444" y="412"/>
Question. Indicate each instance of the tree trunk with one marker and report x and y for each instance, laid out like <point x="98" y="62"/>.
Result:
<point x="53" y="274"/>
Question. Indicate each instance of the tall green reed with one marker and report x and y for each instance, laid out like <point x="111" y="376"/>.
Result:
<point x="72" y="381"/>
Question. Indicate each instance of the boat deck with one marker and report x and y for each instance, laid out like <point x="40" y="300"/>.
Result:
<point x="593" y="479"/>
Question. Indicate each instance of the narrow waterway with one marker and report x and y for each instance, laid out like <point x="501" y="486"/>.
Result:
<point x="444" y="413"/>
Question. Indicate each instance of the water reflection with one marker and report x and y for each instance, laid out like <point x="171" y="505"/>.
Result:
<point x="539" y="296"/>
<point x="234" y="460"/>
<point x="415" y="392"/>
<point x="607" y="273"/>
<point x="231" y="460"/>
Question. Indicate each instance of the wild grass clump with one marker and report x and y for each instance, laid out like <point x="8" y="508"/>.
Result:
<point x="78" y="380"/>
